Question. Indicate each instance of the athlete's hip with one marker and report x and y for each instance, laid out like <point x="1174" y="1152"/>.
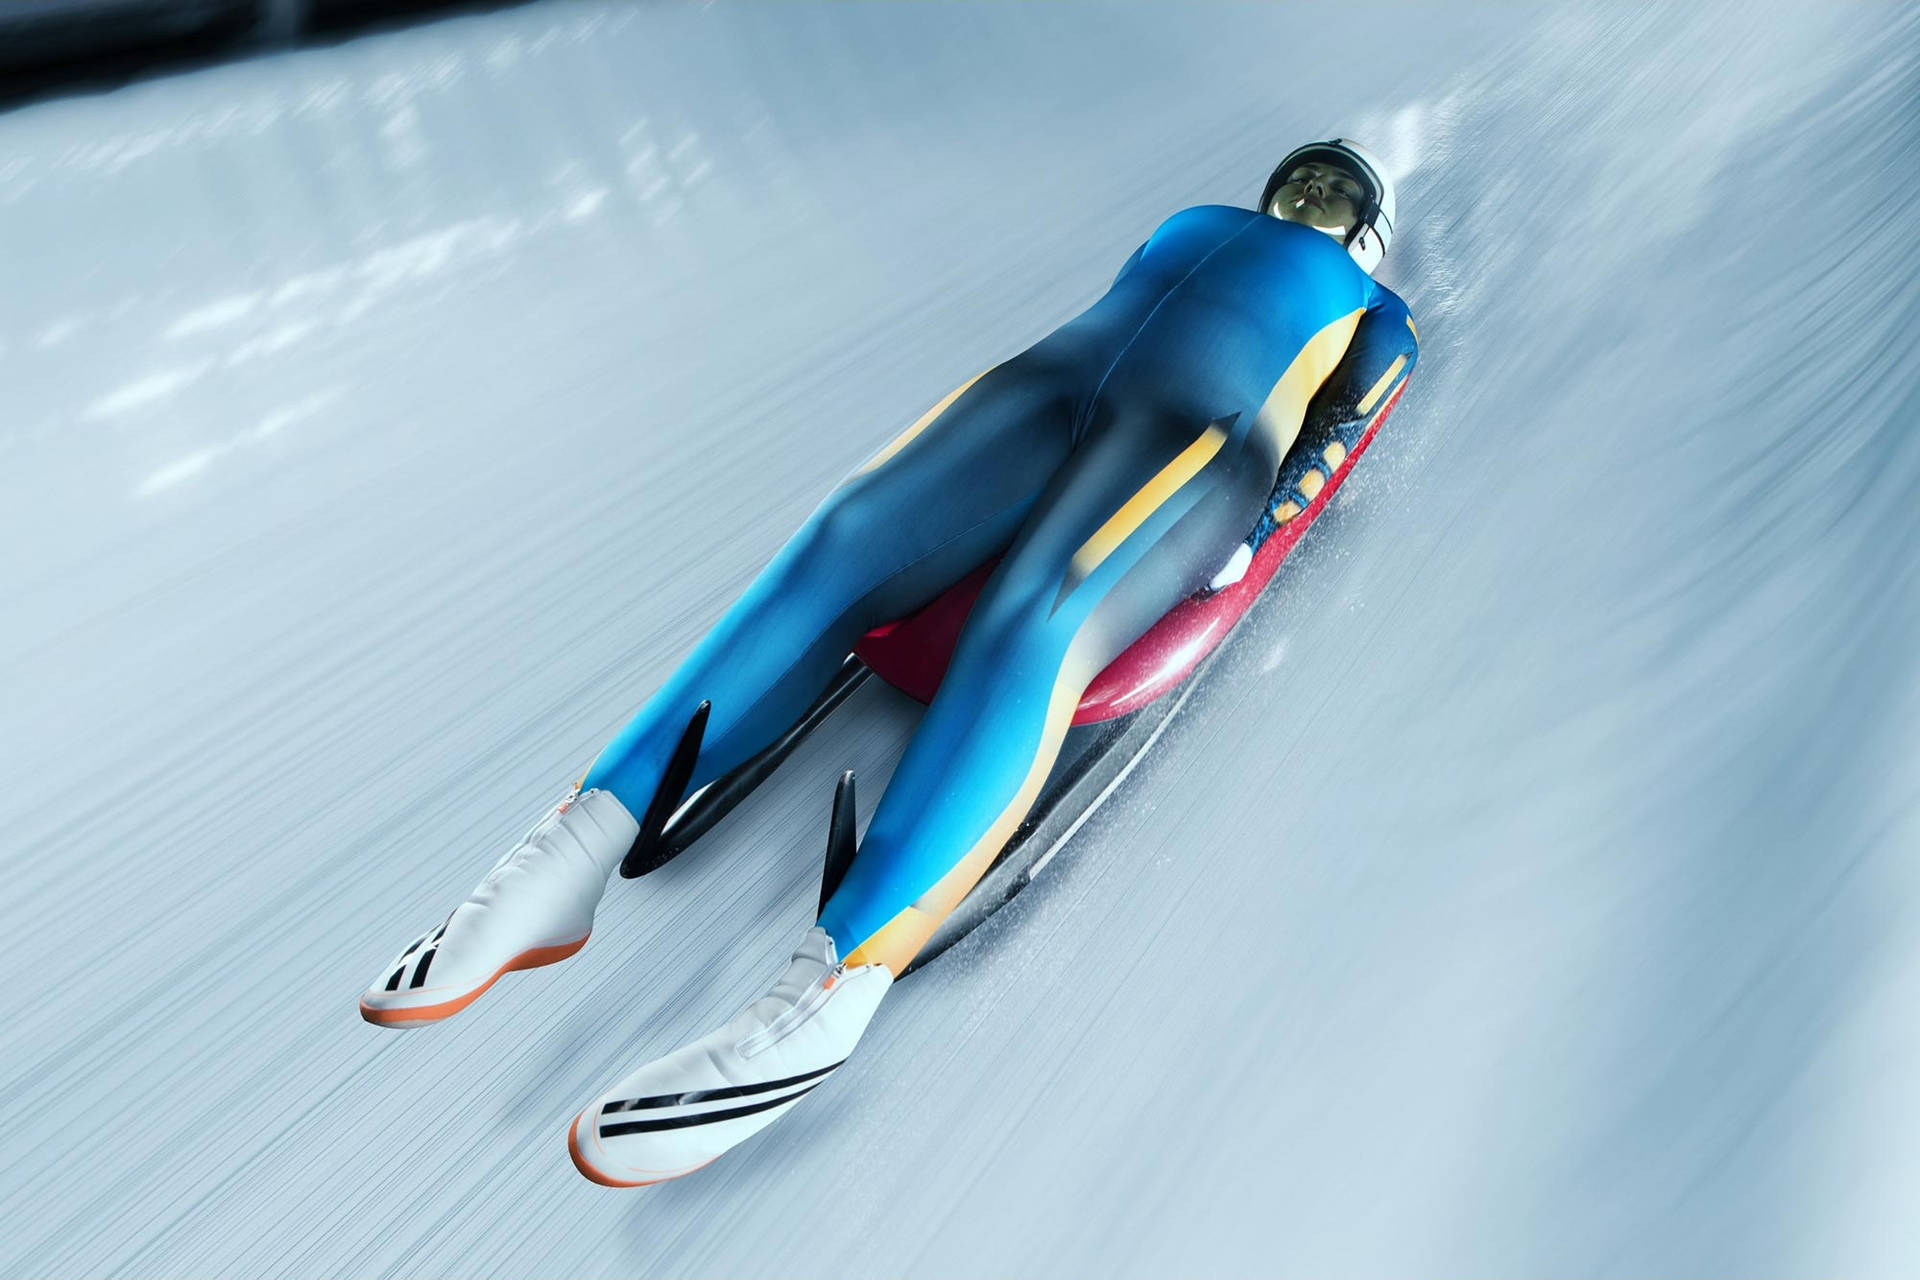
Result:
<point x="1101" y="387"/>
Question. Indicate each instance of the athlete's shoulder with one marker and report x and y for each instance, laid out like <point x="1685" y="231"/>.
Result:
<point x="1390" y="321"/>
<point x="1390" y="304"/>
<point x="1205" y="218"/>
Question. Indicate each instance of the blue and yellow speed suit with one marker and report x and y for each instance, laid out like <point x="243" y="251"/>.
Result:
<point x="1116" y="463"/>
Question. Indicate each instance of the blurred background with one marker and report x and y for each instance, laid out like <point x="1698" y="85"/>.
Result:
<point x="388" y="399"/>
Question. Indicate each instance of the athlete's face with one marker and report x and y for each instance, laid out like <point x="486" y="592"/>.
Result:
<point x="1320" y="195"/>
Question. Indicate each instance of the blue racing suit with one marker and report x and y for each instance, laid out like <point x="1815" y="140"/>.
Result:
<point x="1113" y="465"/>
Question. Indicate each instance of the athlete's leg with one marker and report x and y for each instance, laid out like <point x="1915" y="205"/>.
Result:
<point x="946" y="495"/>
<point x="1135" y="520"/>
<point x="1133" y="523"/>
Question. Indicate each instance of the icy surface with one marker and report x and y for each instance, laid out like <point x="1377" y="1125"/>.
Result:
<point x="1534" y="894"/>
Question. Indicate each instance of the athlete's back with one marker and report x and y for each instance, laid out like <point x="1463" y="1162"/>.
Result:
<point x="1212" y="310"/>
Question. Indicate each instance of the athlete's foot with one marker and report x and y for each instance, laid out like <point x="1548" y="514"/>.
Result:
<point x="535" y="907"/>
<point x="679" y="1112"/>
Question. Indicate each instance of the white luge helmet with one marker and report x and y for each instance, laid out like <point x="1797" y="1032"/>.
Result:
<point x="1367" y="239"/>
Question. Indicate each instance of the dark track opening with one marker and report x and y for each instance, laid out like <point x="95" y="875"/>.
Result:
<point x="54" y="47"/>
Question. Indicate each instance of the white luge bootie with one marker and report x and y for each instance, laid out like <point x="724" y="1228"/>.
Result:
<point x="679" y="1112"/>
<point x="535" y="907"/>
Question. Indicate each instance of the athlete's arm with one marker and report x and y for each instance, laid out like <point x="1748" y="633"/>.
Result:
<point x="1379" y="357"/>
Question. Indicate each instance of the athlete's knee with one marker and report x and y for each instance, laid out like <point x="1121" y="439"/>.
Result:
<point x="1012" y="621"/>
<point x="844" y="527"/>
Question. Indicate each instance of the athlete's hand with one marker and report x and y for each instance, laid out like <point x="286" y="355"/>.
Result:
<point x="1234" y="569"/>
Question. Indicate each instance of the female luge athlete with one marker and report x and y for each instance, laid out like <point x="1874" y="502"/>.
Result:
<point x="1113" y="466"/>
